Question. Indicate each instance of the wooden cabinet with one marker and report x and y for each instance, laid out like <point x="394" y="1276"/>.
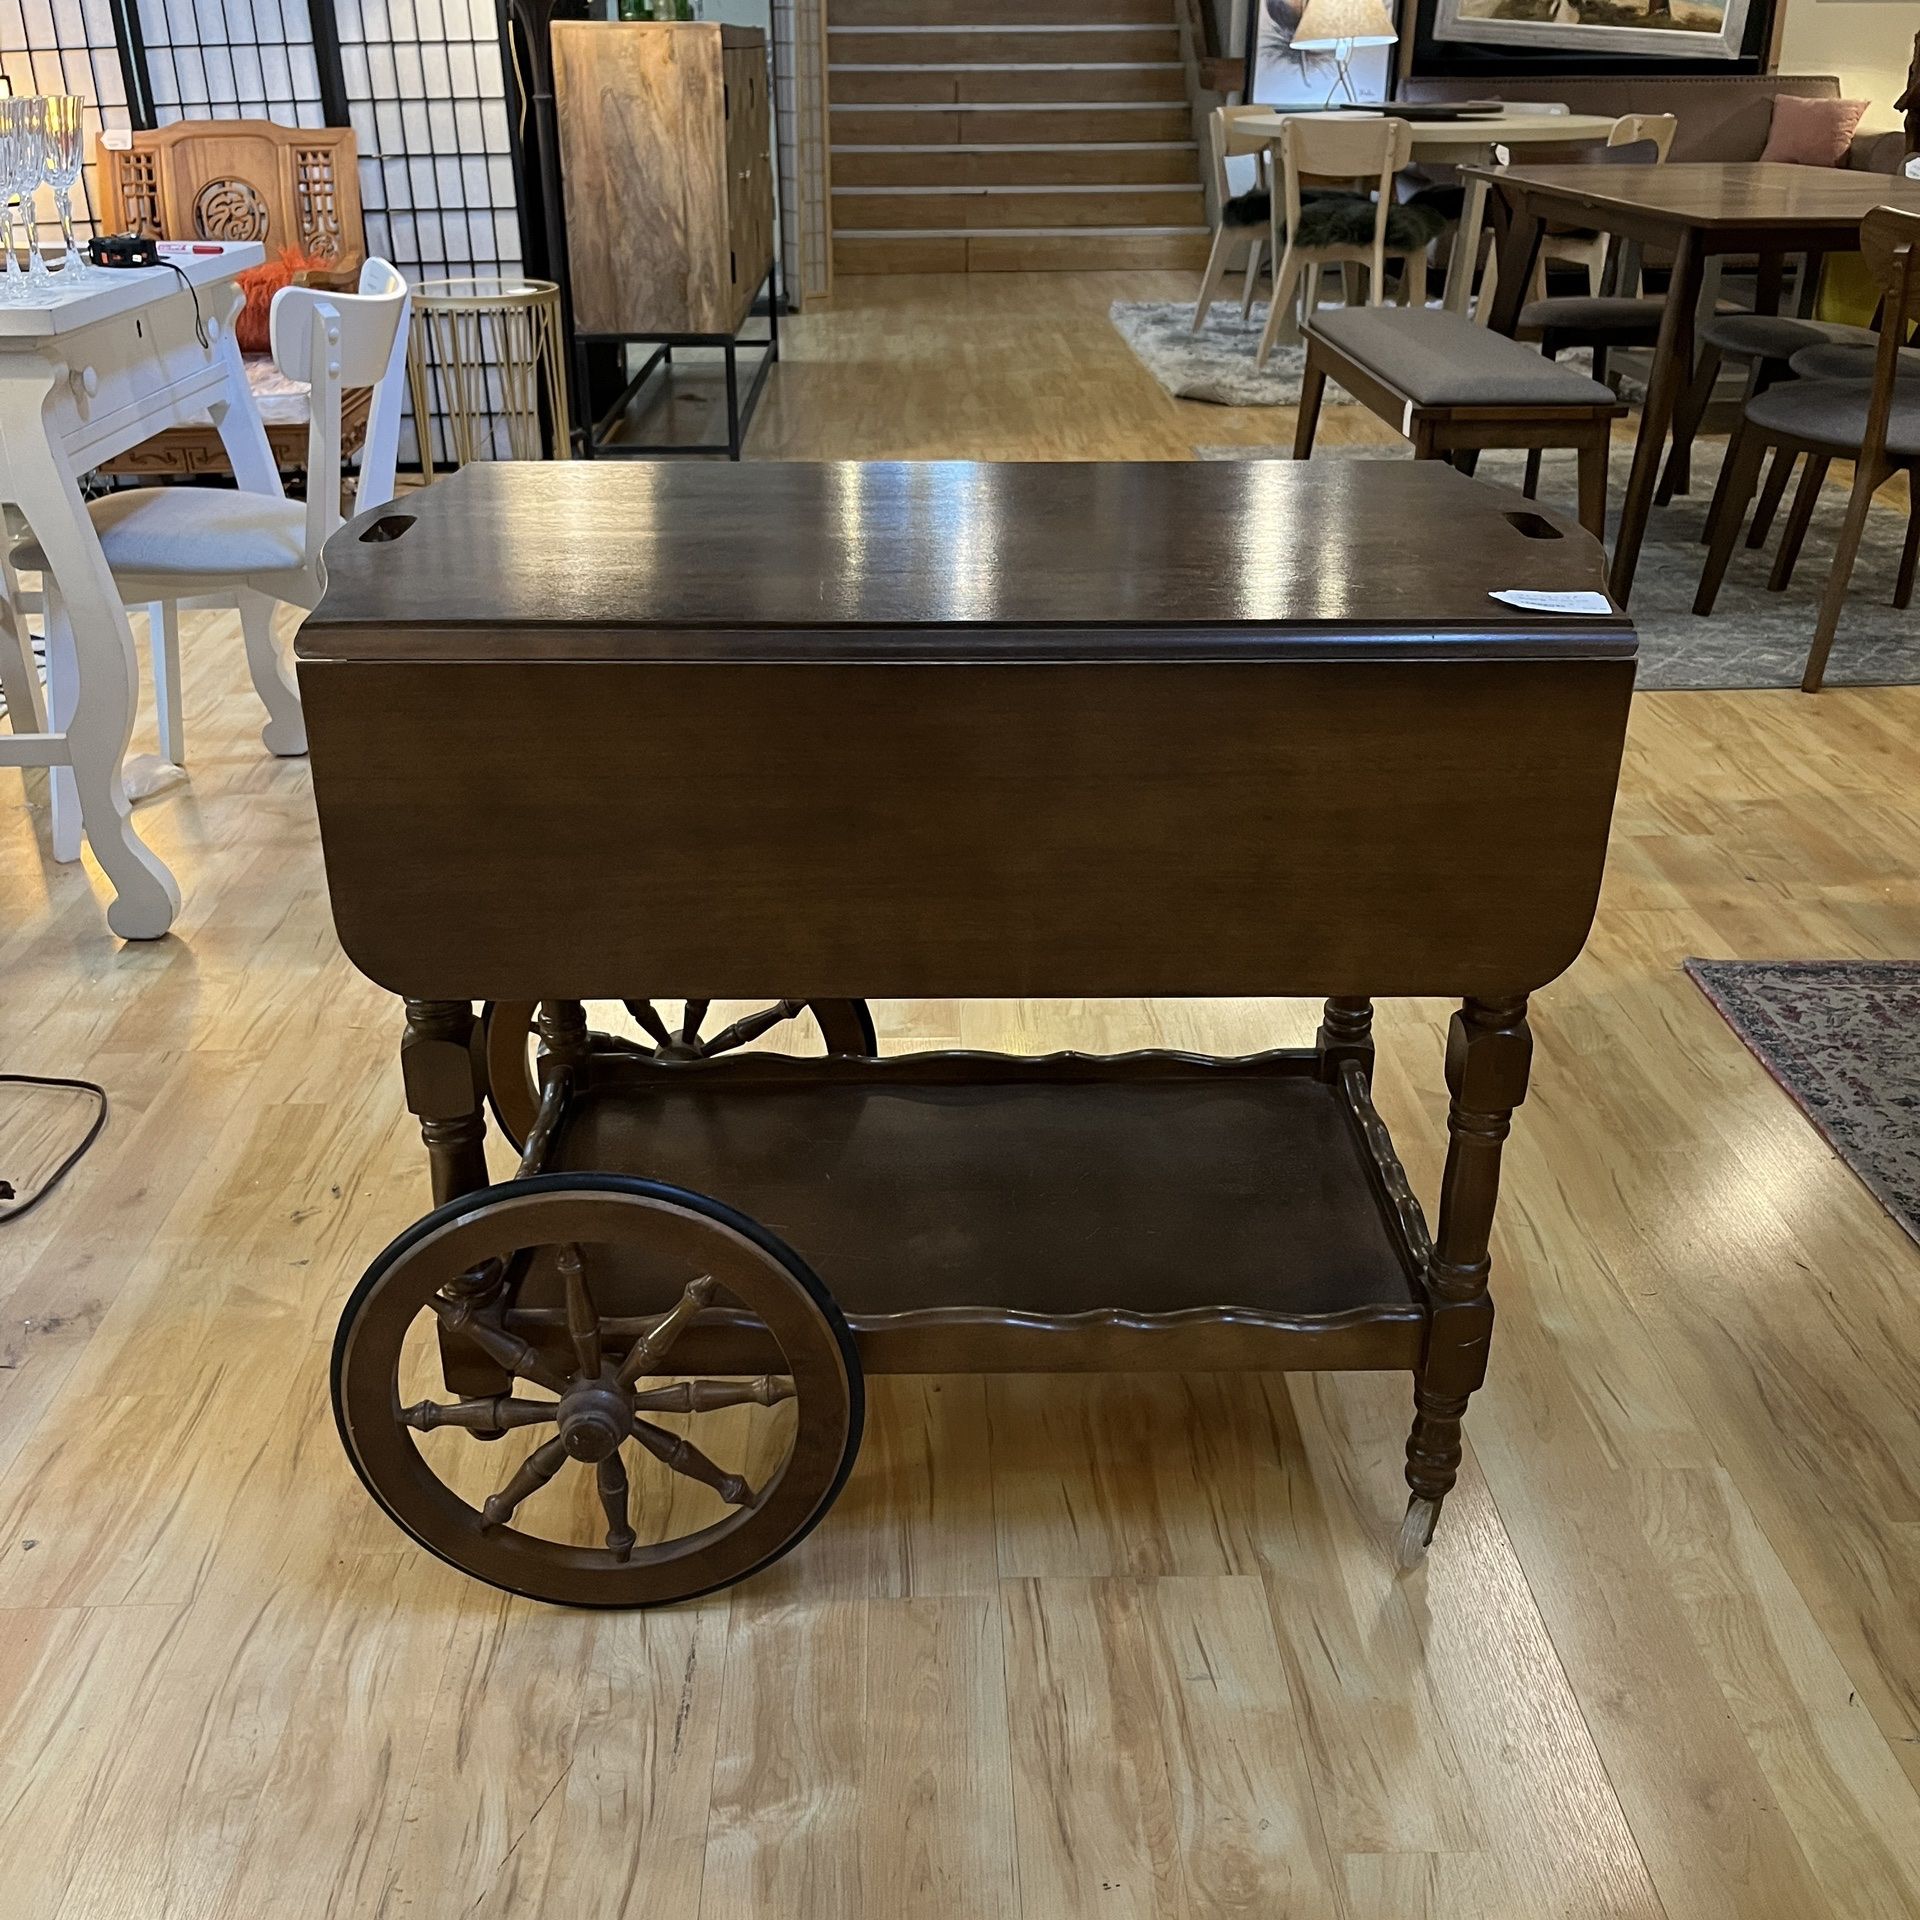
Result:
<point x="664" y="148"/>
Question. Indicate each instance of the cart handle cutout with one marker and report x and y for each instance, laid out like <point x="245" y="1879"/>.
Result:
<point x="390" y="526"/>
<point x="1535" y="526"/>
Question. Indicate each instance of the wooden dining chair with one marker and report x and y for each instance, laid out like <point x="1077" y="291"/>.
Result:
<point x="249" y="550"/>
<point x="1235" y="243"/>
<point x="1875" y="424"/>
<point x="1365" y="228"/>
<point x="1580" y="247"/>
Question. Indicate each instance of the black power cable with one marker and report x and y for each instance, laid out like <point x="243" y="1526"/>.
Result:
<point x="72" y="1160"/>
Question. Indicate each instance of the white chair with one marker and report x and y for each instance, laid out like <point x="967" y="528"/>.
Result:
<point x="1230" y="243"/>
<point x="1369" y="152"/>
<point x="167" y="545"/>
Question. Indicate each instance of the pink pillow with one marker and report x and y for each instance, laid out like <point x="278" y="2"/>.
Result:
<point x="1812" y="133"/>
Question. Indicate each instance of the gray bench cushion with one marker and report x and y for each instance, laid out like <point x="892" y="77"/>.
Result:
<point x="1440" y="359"/>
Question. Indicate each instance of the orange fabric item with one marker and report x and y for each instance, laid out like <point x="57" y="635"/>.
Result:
<point x="260" y="284"/>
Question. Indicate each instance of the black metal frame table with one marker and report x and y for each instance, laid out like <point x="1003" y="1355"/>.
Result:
<point x="740" y="410"/>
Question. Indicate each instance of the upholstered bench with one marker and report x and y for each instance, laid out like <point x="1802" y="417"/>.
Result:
<point x="1454" y="388"/>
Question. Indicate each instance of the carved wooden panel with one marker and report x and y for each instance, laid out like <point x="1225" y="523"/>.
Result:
<point x="239" y="180"/>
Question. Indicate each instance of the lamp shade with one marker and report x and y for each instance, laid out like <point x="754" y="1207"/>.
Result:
<point x="1359" y="23"/>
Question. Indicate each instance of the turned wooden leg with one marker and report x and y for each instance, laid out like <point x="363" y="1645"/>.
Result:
<point x="564" y="1043"/>
<point x="1489" y="1051"/>
<point x="1346" y="1033"/>
<point x="445" y="1078"/>
<point x="444" y="1073"/>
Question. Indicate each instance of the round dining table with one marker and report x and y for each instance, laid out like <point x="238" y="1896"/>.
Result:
<point x="1465" y="141"/>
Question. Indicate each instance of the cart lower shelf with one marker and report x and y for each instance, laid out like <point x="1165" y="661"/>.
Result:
<point x="1006" y="1214"/>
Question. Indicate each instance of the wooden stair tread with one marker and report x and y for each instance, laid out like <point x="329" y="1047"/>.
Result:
<point x="1001" y="134"/>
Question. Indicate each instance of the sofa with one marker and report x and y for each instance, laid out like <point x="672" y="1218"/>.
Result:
<point x="1721" y="116"/>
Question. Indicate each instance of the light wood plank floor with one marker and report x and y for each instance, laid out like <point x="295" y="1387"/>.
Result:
<point x="1123" y="1647"/>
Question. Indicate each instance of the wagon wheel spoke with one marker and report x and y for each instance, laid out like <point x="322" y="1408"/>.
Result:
<point x="508" y="1349"/>
<point x="483" y="1416"/>
<point x="645" y="1016"/>
<point x="696" y="1011"/>
<point x="535" y="1471"/>
<point x="751" y="1026"/>
<point x="648" y="1351"/>
<point x="687" y="1459"/>
<point x="613" y="1497"/>
<point x="708" y="1396"/>
<point x="583" y="1317"/>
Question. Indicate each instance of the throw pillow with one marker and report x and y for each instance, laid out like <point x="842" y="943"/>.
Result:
<point x="1812" y="133"/>
<point x="260" y="284"/>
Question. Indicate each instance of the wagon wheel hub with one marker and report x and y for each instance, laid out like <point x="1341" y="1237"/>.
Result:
<point x="595" y="1417"/>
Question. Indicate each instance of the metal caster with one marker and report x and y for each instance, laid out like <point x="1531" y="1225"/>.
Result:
<point x="1416" y="1533"/>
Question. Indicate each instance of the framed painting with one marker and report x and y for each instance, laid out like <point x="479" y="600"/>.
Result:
<point x="1278" y="76"/>
<point x="1606" y="29"/>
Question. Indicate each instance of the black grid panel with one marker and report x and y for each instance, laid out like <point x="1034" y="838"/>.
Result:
<point x="232" y="59"/>
<point x="66" y="46"/>
<point x="426" y="92"/>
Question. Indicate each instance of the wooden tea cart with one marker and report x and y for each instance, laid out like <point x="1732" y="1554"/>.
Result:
<point x="583" y="734"/>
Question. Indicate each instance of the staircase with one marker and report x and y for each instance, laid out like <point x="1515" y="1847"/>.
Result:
<point x="1010" y="136"/>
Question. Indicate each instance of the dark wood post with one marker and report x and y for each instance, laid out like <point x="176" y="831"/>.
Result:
<point x="445" y="1079"/>
<point x="1489" y="1052"/>
<point x="444" y="1071"/>
<point x="1346" y="1033"/>
<point x="563" y="1039"/>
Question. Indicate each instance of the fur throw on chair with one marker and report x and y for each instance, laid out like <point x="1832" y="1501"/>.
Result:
<point x="1330" y="218"/>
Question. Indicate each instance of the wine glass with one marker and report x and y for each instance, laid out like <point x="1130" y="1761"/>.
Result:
<point x="15" y="281"/>
<point x="66" y="148"/>
<point x="27" y="167"/>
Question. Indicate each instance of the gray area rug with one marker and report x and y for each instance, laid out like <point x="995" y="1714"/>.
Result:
<point x="1753" y="638"/>
<point x="1217" y="363"/>
<point x="1843" y="1038"/>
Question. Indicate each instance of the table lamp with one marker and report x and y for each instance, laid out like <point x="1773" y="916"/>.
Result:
<point x="1338" y="26"/>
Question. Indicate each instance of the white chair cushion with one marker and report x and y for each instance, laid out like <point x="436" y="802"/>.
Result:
<point x="167" y="530"/>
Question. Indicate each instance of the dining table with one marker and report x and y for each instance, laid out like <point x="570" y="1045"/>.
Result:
<point x="1701" y="213"/>
<point x="1468" y="141"/>
<point x="89" y="367"/>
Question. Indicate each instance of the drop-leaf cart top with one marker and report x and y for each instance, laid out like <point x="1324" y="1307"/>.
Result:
<point x="584" y="737"/>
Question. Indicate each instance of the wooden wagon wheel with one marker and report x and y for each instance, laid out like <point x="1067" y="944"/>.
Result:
<point x="513" y="1084"/>
<point x="587" y="1377"/>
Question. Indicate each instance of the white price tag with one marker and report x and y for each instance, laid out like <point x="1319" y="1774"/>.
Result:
<point x="1532" y="602"/>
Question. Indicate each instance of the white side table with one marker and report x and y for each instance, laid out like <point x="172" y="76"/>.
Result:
<point x="86" y="373"/>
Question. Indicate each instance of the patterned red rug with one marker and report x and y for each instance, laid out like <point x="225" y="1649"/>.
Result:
<point x="1843" y="1038"/>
